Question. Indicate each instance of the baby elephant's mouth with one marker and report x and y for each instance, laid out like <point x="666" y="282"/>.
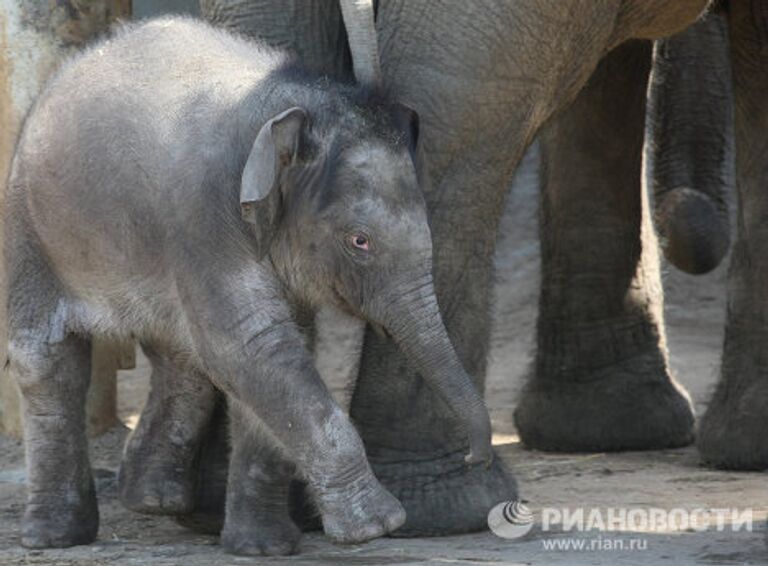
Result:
<point x="343" y="304"/>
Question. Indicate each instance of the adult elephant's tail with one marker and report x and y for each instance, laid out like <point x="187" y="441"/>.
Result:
<point x="361" y="30"/>
<point x="691" y="149"/>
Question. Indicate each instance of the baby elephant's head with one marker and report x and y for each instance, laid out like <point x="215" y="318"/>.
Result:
<point x="336" y="200"/>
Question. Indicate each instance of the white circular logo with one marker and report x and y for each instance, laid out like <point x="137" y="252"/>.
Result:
<point x="511" y="519"/>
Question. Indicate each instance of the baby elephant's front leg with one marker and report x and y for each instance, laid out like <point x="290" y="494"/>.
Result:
<point x="353" y="505"/>
<point x="247" y="341"/>
<point x="282" y="389"/>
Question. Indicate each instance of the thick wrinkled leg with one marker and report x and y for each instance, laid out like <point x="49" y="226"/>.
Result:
<point x="212" y="469"/>
<point x="52" y="368"/>
<point x="157" y="474"/>
<point x="733" y="430"/>
<point x="258" y="489"/>
<point x="61" y="499"/>
<point x="601" y="379"/>
<point x="53" y="374"/>
<point x="250" y="347"/>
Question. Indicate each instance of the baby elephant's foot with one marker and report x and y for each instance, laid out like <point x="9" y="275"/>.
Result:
<point x="59" y="525"/>
<point x="359" y="511"/>
<point x="273" y="537"/>
<point x="161" y="489"/>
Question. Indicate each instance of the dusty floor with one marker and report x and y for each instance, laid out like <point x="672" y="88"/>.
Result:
<point x="667" y="479"/>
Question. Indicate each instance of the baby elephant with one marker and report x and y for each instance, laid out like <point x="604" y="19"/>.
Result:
<point x="197" y="192"/>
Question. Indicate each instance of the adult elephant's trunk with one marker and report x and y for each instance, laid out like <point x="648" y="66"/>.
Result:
<point x="361" y="30"/>
<point x="691" y="152"/>
<point x="413" y="319"/>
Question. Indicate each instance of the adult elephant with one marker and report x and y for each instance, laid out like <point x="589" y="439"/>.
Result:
<point x="601" y="316"/>
<point x="484" y="77"/>
<point x="732" y="431"/>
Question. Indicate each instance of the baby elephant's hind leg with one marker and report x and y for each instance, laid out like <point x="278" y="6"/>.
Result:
<point x="157" y="474"/>
<point x="257" y="514"/>
<point x="53" y="372"/>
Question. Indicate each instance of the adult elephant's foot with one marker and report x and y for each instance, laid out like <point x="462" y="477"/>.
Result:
<point x="732" y="432"/>
<point x="634" y="405"/>
<point x="601" y="380"/>
<point x="416" y="446"/>
<point x="442" y="494"/>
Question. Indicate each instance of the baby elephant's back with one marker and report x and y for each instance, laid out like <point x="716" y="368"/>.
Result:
<point x="117" y="138"/>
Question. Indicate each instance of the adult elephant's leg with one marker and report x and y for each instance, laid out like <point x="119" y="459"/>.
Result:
<point x="732" y="432"/>
<point x="476" y="74"/>
<point x="413" y="442"/>
<point x="601" y="379"/>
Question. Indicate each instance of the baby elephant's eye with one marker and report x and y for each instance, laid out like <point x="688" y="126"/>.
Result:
<point x="360" y="242"/>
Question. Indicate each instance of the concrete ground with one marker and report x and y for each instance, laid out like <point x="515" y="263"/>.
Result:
<point x="669" y="479"/>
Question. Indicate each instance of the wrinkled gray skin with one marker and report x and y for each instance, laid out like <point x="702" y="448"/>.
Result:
<point x="485" y="76"/>
<point x="592" y="165"/>
<point x="690" y="144"/>
<point x="601" y="372"/>
<point x="732" y="431"/>
<point x="185" y="187"/>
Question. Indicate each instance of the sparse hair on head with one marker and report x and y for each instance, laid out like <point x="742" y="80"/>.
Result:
<point x="360" y="110"/>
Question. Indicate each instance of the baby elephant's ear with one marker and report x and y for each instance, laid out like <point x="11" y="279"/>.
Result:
<point x="274" y="149"/>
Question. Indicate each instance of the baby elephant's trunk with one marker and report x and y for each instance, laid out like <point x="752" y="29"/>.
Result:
<point x="413" y="319"/>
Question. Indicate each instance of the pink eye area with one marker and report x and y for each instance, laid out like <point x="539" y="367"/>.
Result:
<point x="360" y="242"/>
